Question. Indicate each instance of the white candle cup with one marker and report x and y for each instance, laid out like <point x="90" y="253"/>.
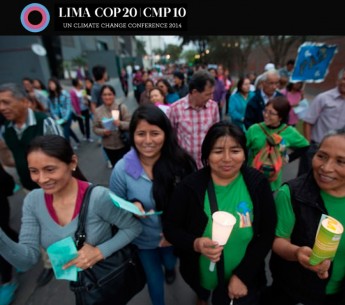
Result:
<point x="222" y="225"/>
<point x="115" y="114"/>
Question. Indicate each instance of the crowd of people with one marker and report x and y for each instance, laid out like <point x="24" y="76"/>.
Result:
<point x="199" y="142"/>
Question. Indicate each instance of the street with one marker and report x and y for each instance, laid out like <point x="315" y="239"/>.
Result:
<point x="93" y="165"/>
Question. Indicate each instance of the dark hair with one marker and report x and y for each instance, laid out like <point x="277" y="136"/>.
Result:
<point x="42" y="85"/>
<point x="98" y="72"/>
<point x="58" y="90"/>
<point x="149" y="80"/>
<point x="282" y="106"/>
<point x="240" y="84"/>
<point x="88" y="90"/>
<point x="56" y="147"/>
<point x="200" y="79"/>
<point x="29" y="79"/>
<point x="179" y="75"/>
<point x="174" y="162"/>
<point x="111" y="88"/>
<point x="161" y="92"/>
<point x="167" y="84"/>
<point x="75" y="82"/>
<point x="218" y="130"/>
<point x="333" y="133"/>
<point x="290" y="62"/>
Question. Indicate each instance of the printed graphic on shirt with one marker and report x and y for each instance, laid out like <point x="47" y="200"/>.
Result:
<point x="245" y="212"/>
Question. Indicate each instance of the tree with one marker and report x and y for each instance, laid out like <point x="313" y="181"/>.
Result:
<point x="231" y="51"/>
<point x="277" y="47"/>
<point x="140" y="47"/>
<point x="174" y="51"/>
<point x="201" y="42"/>
<point x="189" y="56"/>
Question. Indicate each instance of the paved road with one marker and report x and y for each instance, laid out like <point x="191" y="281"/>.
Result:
<point x="93" y="165"/>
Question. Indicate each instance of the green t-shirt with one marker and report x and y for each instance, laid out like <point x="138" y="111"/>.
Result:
<point x="286" y="221"/>
<point x="256" y="139"/>
<point x="235" y="199"/>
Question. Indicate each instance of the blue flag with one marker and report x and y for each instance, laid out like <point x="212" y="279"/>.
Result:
<point x="312" y="62"/>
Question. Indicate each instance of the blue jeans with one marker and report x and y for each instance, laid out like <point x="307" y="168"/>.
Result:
<point x="153" y="261"/>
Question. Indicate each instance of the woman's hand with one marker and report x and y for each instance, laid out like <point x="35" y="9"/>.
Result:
<point x="284" y="248"/>
<point x="236" y="288"/>
<point x="139" y="205"/>
<point x="106" y="132"/>
<point x="303" y="256"/>
<point x="117" y="123"/>
<point x="87" y="256"/>
<point x="163" y="242"/>
<point x="208" y="248"/>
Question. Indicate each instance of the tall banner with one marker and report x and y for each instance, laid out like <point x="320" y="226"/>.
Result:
<point x="312" y="62"/>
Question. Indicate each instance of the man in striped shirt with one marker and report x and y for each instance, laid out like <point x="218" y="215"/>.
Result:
<point x="194" y="114"/>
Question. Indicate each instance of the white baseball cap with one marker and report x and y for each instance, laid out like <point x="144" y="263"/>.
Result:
<point x="269" y="66"/>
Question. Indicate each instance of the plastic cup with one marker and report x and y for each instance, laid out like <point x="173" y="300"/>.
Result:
<point x="326" y="241"/>
<point x="222" y="225"/>
<point x="115" y="114"/>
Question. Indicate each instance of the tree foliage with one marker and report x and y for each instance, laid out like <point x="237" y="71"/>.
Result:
<point x="174" y="51"/>
<point x="140" y="47"/>
<point x="277" y="47"/>
<point x="233" y="51"/>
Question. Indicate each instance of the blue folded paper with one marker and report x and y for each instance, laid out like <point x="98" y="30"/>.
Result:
<point x="130" y="207"/>
<point x="60" y="253"/>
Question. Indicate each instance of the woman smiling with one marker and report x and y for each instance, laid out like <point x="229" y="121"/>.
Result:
<point x="239" y="190"/>
<point x="300" y="204"/>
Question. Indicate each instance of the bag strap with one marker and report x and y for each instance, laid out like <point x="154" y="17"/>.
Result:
<point x="267" y="134"/>
<point x="281" y="130"/>
<point x="80" y="234"/>
<point x="214" y="208"/>
<point x="120" y="112"/>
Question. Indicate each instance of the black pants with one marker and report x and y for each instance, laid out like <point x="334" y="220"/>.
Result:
<point x="281" y="297"/>
<point x="115" y="155"/>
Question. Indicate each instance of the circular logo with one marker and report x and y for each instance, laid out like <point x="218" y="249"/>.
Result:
<point x="39" y="11"/>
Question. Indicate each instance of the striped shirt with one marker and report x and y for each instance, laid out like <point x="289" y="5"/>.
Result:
<point x="192" y="123"/>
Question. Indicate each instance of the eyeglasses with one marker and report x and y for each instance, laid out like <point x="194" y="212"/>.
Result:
<point x="269" y="112"/>
<point x="272" y="83"/>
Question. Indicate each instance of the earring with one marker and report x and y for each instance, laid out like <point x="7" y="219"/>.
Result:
<point x="74" y="169"/>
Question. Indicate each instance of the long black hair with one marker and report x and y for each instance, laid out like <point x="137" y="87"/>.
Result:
<point x="174" y="162"/>
<point x="57" y="147"/>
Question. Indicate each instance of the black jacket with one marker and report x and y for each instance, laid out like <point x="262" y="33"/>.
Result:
<point x="303" y="284"/>
<point x="254" y="109"/>
<point x="185" y="220"/>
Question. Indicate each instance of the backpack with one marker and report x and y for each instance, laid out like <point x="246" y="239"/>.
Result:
<point x="269" y="160"/>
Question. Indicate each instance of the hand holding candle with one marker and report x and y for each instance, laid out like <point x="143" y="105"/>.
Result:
<point x="327" y="239"/>
<point x="222" y="225"/>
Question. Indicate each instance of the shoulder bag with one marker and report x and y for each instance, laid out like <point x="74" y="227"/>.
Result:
<point x="124" y="134"/>
<point x="114" y="280"/>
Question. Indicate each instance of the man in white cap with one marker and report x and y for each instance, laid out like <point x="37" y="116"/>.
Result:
<point x="269" y="66"/>
<point x="256" y="105"/>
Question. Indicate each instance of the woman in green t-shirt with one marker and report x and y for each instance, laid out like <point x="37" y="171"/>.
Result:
<point x="276" y="114"/>
<point x="239" y="190"/>
<point x="300" y="204"/>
